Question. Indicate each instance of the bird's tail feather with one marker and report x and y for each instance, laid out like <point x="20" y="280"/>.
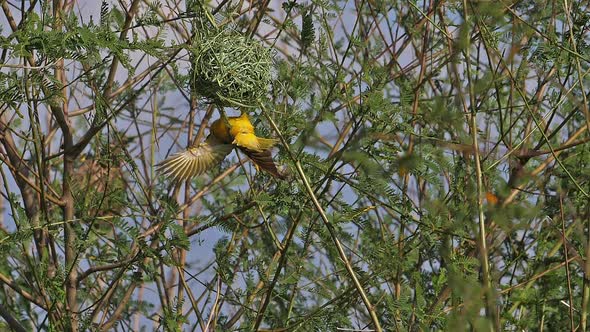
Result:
<point x="263" y="160"/>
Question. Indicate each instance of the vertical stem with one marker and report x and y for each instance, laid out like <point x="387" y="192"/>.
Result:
<point x="60" y="111"/>
<point x="584" y="105"/>
<point x="185" y="212"/>
<point x="70" y="245"/>
<point x="483" y="250"/>
<point x="567" y="265"/>
<point x="122" y="36"/>
<point x="585" y="296"/>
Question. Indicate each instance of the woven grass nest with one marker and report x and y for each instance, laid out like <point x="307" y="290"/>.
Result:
<point x="232" y="70"/>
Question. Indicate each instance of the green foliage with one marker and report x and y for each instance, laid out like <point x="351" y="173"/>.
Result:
<point x="307" y="30"/>
<point x="419" y="128"/>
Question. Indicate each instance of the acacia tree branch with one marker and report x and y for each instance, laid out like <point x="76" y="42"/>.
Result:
<point x="122" y="36"/>
<point x="14" y="286"/>
<point x="107" y="326"/>
<point x="12" y="322"/>
<point x="20" y="173"/>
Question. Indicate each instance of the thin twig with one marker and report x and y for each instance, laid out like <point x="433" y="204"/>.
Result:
<point x="329" y="226"/>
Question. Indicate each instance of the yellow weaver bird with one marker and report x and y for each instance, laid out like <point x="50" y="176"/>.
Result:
<point x="225" y="134"/>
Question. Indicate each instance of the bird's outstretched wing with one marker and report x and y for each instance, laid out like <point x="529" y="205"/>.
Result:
<point x="194" y="161"/>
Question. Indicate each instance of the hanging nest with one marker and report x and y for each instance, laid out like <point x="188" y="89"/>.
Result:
<point x="231" y="70"/>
